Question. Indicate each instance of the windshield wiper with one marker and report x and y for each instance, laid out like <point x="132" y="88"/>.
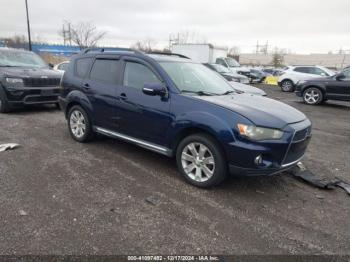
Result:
<point x="200" y="93"/>
<point x="8" y="66"/>
<point x="229" y="92"/>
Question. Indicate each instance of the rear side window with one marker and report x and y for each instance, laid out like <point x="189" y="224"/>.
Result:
<point x="105" y="70"/>
<point x="305" y="70"/>
<point x="136" y="75"/>
<point x="82" y="67"/>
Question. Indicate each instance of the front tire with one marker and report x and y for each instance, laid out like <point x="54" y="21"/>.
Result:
<point x="201" y="161"/>
<point x="313" y="96"/>
<point x="4" y="105"/>
<point x="287" y="86"/>
<point x="79" y="124"/>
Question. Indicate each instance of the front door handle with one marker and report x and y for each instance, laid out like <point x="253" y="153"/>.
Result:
<point x="123" y="96"/>
<point x="86" y="86"/>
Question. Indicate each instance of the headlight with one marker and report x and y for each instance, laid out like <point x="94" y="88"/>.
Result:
<point x="14" y="81"/>
<point x="259" y="133"/>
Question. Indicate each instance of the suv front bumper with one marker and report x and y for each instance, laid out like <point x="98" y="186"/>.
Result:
<point x="275" y="156"/>
<point x="32" y="95"/>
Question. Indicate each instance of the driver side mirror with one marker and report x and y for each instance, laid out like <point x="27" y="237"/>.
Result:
<point x="154" y="89"/>
<point x="51" y="65"/>
<point x="340" y="76"/>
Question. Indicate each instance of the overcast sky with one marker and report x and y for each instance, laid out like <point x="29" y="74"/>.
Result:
<point x="302" y="26"/>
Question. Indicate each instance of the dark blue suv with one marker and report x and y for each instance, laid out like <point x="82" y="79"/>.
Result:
<point x="171" y="105"/>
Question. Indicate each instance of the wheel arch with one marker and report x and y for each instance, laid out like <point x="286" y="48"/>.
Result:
<point x="78" y="98"/>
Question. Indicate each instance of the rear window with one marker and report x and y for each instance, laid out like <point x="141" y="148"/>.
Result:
<point x="105" y="70"/>
<point x="82" y="66"/>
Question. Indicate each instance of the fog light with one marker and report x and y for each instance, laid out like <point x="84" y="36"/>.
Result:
<point x="258" y="160"/>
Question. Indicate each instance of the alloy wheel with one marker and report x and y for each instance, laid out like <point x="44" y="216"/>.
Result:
<point x="77" y="124"/>
<point x="198" y="162"/>
<point x="287" y="86"/>
<point x="312" y="96"/>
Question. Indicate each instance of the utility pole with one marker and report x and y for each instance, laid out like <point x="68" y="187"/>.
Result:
<point x="28" y="27"/>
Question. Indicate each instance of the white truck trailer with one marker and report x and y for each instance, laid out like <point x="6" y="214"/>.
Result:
<point x="202" y="53"/>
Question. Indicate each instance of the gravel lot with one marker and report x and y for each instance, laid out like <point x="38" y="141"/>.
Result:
<point x="109" y="197"/>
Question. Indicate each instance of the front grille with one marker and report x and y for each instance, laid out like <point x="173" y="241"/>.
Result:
<point x="41" y="82"/>
<point x="296" y="151"/>
<point x="302" y="134"/>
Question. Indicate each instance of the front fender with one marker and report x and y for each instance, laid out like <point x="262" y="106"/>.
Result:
<point x="205" y="121"/>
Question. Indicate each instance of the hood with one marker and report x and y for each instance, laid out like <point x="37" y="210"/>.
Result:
<point x="29" y="72"/>
<point x="247" y="89"/>
<point x="260" y="110"/>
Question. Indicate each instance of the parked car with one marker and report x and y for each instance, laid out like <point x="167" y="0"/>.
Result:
<point x="182" y="109"/>
<point x="315" y="91"/>
<point x="293" y="74"/>
<point x="228" y="74"/>
<point x="272" y="71"/>
<point x="61" y="67"/>
<point x="257" y="75"/>
<point x="233" y="65"/>
<point x="25" y="79"/>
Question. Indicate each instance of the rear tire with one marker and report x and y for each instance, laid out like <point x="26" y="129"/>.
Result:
<point x="79" y="124"/>
<point x="201" y="161"/>
<point x="287" y="86"/>
<point x="313" y="96"/>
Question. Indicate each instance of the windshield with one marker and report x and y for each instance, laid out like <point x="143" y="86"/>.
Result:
<point x="20" y="59"/>
<point x="192" y="77"/>
<point x="221" y="69"/>
<point x="232" y="63"/>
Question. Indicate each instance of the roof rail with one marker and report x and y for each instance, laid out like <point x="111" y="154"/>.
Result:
<point x="110" y="49"/>
<point x="166" y="53"/>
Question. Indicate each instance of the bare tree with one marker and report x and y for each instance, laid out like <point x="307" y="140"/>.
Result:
<point x="85" y="34"/>
<point x="146" y="45"/>
<point x="17" y="41"/>
<point x="234" y="51"/>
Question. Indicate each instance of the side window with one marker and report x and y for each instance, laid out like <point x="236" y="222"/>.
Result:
<point x="317" y="71"/>
<point x="347" y="74"/>
<point x="221" y="62"/>
<point x="105" y="70"/>
<point x="82" y="66"/>
<point x="136" y="75"/>
<point x="63" y="66"/>
<point x="304" y="70"/>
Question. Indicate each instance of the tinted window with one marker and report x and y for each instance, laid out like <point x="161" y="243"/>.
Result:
<point x="82" y="66"/>
<point x="347" y="74"/>
<point x="221" y="62"/>
<point x="305" y="70"/>
<point x="136" y="75"/>
<point x="105" y="70"/>
<point x="317" y="71"/>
